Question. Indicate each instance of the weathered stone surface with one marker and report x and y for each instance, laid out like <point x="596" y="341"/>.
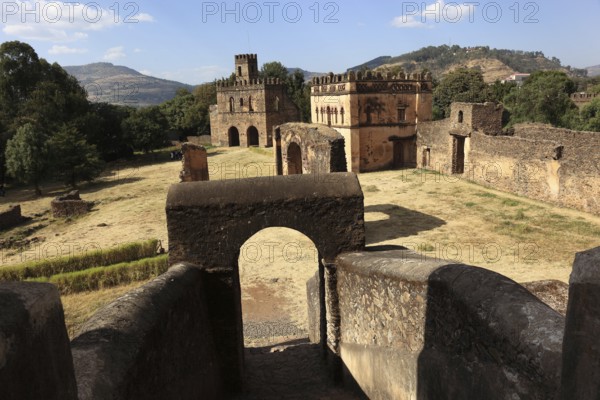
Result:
<point x="35" y="357"/>
<point x="70" y="205"/>
<point x="195" y="163"/>
<point x="537" y="161"/>
<point x="553" y="293"/>
<point x="152" y="343"/>
<point x="249" y="109"/>
<point x="321" y="149"/>
<point x="581" y="353"/>
<point x="10" y="217"/>
<point x="208" y="222"/>
<point x="313" y="298"/>
<point x="413" y="327"/>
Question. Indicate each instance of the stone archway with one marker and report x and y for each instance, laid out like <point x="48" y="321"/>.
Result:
<point x="294" y="159"/>
<point x="253" y="137"/>
<point x="234" y="137"/>
<point x="208" y="222"/>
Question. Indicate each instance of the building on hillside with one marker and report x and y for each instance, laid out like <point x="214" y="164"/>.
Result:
<point x="249" y="108"/>
<point x="376" y="114"/>
<point x="517" y="78"/>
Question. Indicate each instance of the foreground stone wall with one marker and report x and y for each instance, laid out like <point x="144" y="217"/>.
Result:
<point x="10" y="217"/>
<point x="153" y="343"/>
<point x="412" y="327"/>
<point x="194" y="163"/>
<point x="35" y="357"/>
<point x="540" y="162"/>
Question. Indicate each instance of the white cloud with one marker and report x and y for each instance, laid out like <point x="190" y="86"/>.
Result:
<point x="137" y="50"/>
<point x="415" y="17"/>
<point x="55" y="50"/>
<point x="115" y="53"/>
<point x="61" y="21"/>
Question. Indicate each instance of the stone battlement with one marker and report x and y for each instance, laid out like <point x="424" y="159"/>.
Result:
<point x="246" y="57"/>
<point x="251" y="83"/>
<point x="369" y="76"/>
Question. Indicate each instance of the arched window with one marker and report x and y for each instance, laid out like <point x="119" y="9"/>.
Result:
<point x="239" y="71"/>
<point x="250" y="104"/>
<point x="336" y="115"/>
<point x="231" y="104"/>
<point x="328" y="116"/>
<point x="317" y="113"/>
<point x="342" y="114"/>
<point x="276" y="103"/>
<point x="460" y="117"/>
<point x="241" y="102"/>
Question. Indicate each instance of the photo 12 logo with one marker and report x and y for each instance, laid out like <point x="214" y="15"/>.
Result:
<point x="270" y="11"/>
<point x="454" y="12"/>
<point x="54" y="12"/>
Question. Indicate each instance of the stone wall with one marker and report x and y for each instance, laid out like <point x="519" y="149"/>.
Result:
<point x="538" y="161"/>
<point x="153" y="343"/>
<point x="194" y="162"/>
<point x="322" y="148"/>
<point x="10" y="217"/>
<point x="418" y="328"/>
<point x="208" y="222"/>
<point x="35" y="358"/>
<point x="69" y="205"/>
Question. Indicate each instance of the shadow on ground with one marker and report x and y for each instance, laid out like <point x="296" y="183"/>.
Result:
<point x="402" y="222"/>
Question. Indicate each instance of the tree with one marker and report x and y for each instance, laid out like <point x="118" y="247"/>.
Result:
<point x="296" y="87"/>
<point x="73" y="158"/>
<point x="27" y="155"/>
<point x="148" y="128"/>
<point x="466" y="85"/>
<point x="274" y="69"/>
<point x="205" y="95"/>
<point x="544" y="97"/>
<point x="102" y="127"/>
<point x="590" y="116"/>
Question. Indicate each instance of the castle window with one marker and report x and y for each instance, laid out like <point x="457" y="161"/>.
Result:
<point x="241" y="102"/>
<point x="328" y="116"/>
<point x="276" y="103"/>
<point x="231" y="104"/>
<point x="250" y="104"/>
<point x="401" y="114"/>
<point x="460" y="117"/>
<point x="239" y="71"/>
<point x="342" y="114"/>
<point x="336" y="115"/>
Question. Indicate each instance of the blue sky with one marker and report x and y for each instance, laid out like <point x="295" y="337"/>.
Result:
<point x="195" y="41"/>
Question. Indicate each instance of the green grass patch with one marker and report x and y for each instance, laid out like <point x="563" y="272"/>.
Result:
<point x="486" y="195"/>
<point x="470" y="204"/>
<point x="426" y="247"/>
<point x="105" y="277"/>
<point x="510" y="203"/>
<point x="97" y="258"/>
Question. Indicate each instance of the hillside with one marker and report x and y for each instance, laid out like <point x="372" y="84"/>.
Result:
<point x="308" y="75"/>
<point x="116" y="84"/>
<point x="494" y="63"/>
<point x="594" y="71"/>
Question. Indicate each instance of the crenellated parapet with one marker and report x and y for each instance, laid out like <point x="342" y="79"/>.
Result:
<point x="246" y="57"/>
<point x="248" y="83"/>
<point x="370" y="82"/>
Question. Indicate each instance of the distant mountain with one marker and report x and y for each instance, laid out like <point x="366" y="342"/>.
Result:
<point x="307" y="74"/>
<point x="494" y="63"/>
<point x="117" y="84"/>
<point x="594" y="71"/>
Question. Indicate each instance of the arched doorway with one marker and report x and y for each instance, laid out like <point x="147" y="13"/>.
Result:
<point x="274" y="266"/>
<point x="234" y="137"/>
<point x="252" y="134"/>
<point x="294" y="159"/>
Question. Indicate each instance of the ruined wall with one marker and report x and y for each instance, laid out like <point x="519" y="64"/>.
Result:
<point x="412" y="327"/>
<point x="10" y="217"/>
<point x="322" y="148"/>
<point x="69" y="205"/>
<point x="538" y="161"/>
<point x="35" y="358"/>
<point x="194" y="163"/>
<point x="153" y="343"/>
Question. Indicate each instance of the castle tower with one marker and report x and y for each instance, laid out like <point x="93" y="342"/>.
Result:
<point x="246" y="67"/>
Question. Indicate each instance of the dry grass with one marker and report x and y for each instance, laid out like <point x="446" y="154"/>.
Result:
<point x="436" y="215"/>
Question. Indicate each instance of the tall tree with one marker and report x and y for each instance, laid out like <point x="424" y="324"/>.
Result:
<point x="463" y="84"/>
<point x="544" y="97"/>
<point x="27" y="155"/>
<point x="73" y="158"/>
<point x="148" y="128"/>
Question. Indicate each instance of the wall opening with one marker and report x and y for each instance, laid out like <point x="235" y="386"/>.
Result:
<point x="253" y="138"/>
<point x="239" y="71"/>
<point x="294" y="159"/>
<point x="426" y="162"/>
<point x="404" y="152"/>
<point x="460" y="117"/>
<point x="231" y="104"/>
<point x="250" y="106"/>
<point x="276" y="103"/>
<point x="458" y="155"/>
<point x="278" y="154"/>
<point x="274" y="266"/>
<point x="234" y="137"/>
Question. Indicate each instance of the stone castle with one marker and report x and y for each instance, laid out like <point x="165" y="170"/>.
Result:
<point x="249" y="108"/>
